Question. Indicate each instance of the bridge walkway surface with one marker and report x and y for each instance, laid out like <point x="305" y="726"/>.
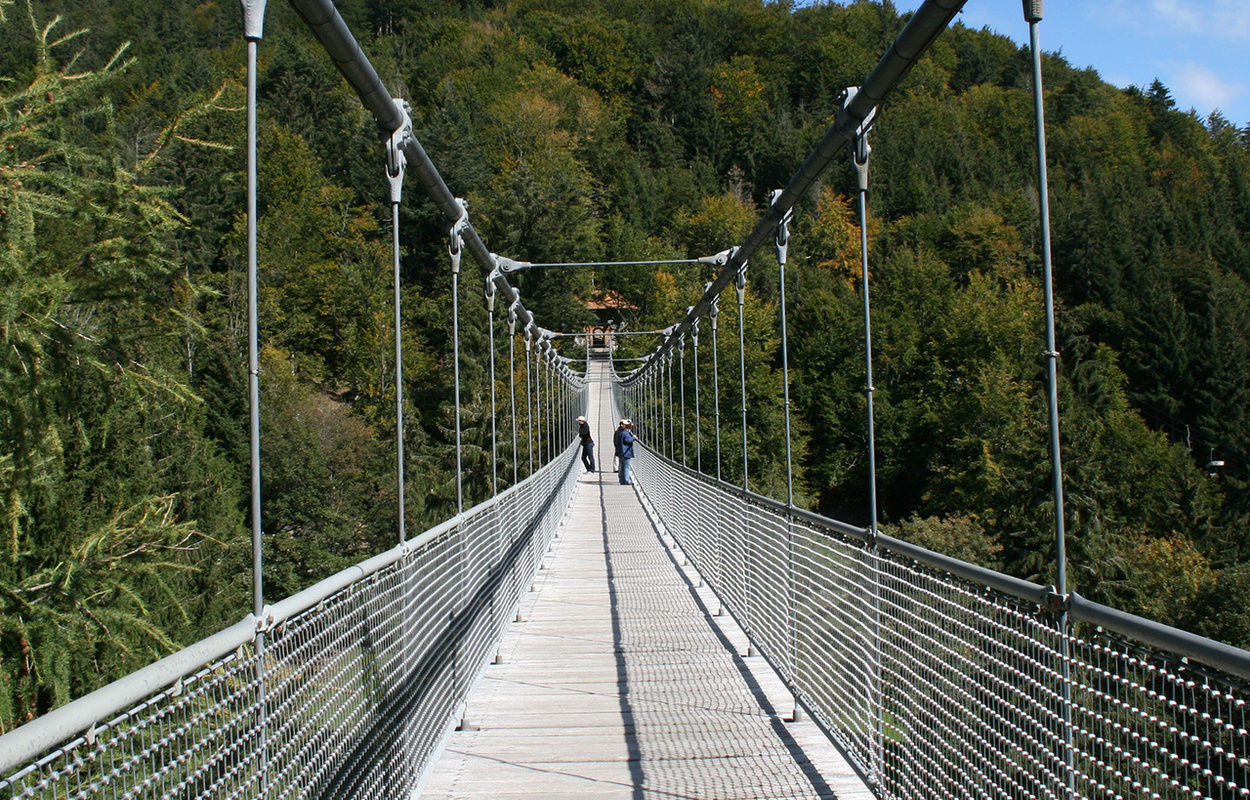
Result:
<point x="621" y="679"/>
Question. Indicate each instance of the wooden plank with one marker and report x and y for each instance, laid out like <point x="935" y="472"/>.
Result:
<point x="620" y="685"/>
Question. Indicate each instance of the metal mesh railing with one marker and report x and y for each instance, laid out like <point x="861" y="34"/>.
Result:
<point x="347" y="694"/>
<point x="935" y="686"/>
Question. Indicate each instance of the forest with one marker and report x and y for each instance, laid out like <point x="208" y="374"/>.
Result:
<point x="577" y="131"/>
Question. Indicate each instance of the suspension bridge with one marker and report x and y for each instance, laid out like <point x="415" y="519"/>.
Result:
<point x="573" y="636"/>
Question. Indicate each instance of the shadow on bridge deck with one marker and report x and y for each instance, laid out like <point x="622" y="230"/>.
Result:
<point x="623" y="682"/>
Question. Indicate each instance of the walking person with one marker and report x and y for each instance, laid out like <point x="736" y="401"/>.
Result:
<point x="616" y="446"/>
<point x="627" y="452"/>
<point x="588" y="444"/>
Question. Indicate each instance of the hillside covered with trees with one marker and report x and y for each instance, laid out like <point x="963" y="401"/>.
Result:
<point x="586" y="131"/>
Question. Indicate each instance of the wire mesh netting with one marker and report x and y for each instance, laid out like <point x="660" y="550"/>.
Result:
<point x="349" y="697"/>
<point x="936" y="687"/>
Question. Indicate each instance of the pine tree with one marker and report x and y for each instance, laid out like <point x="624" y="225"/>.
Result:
<point x="98" y="533"/>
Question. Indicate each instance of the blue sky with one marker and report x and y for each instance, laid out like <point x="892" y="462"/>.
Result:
<point x="1200" y="49"/>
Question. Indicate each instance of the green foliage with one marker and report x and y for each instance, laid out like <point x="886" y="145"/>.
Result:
<point x="958" y="536"/>
<point x="327" y="481"/>
<point x="1164" y="576"/>
<point x="583" y="132"/>
<point x="1220" y="610"/>
<point x="105" y="493"/>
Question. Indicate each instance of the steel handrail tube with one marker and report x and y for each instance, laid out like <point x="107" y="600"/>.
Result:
<point x="1209" y="652"/>
<point x="59" y="725"/>
<point x="972" y="682"/>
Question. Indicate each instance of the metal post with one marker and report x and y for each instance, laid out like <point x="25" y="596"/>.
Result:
<point x="538" y="401"/>
<point x="713" y="314"/>
<point x="562" y="406"/>
<point x="657" y="417"/>
<point x="698" y="419"/>
<point x="648" y="409"/>
<point x="682" y="385"/>
<point x="741" y="285"/>
<point x="512" y="385"/>
<point x="783" y="244"/>
<point x="551" y="406"/>
<point x="672" y="424"/>
<point x="544" y="411"/>
<point x="860" y="151"/>
<point x="551" y="410"/>
<point x="396" y="165"/>
<point x="253" y="30"/>
<point x="494" y="430"/>
<point x="253" y="347"/>
<point x="529" y="398"/>
<point x="455" y="325"/>
<point x="455" y="249"/>
<point x="1033" y="15"/>
<point x="651" y="405"/>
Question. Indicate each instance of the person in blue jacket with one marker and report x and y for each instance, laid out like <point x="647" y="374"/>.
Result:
<point x="627" y="452"/>
<point x="616" y="446"/>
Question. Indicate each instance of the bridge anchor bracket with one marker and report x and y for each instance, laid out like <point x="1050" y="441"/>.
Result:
<point x="1054" y="603"/>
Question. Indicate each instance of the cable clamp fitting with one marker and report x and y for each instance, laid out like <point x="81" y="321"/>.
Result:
<point x="740" y="282"/>
<point x="455" y="244"/>
<point x="1055" y="603"/>
<point x="1051" y="353"/>
<point x="264" y="623"/>
<point x="254" y="19"/>
<point x="491" y="290"/>
<point x="719" y="259"/>
<point x="783" y="227"/>
<point x="512" y="311"/>
<point x="507" y="266"/>
<point x="860" y="150"/>
<point x="396" y="162"/>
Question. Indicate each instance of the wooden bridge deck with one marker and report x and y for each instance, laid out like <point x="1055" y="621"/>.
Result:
<point x="622" y="681"/>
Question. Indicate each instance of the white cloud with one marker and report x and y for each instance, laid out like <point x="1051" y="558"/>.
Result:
<point x="1195" y="84"/>
<point x="1224" y="19"/>
<point x="1218" y="19"/>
